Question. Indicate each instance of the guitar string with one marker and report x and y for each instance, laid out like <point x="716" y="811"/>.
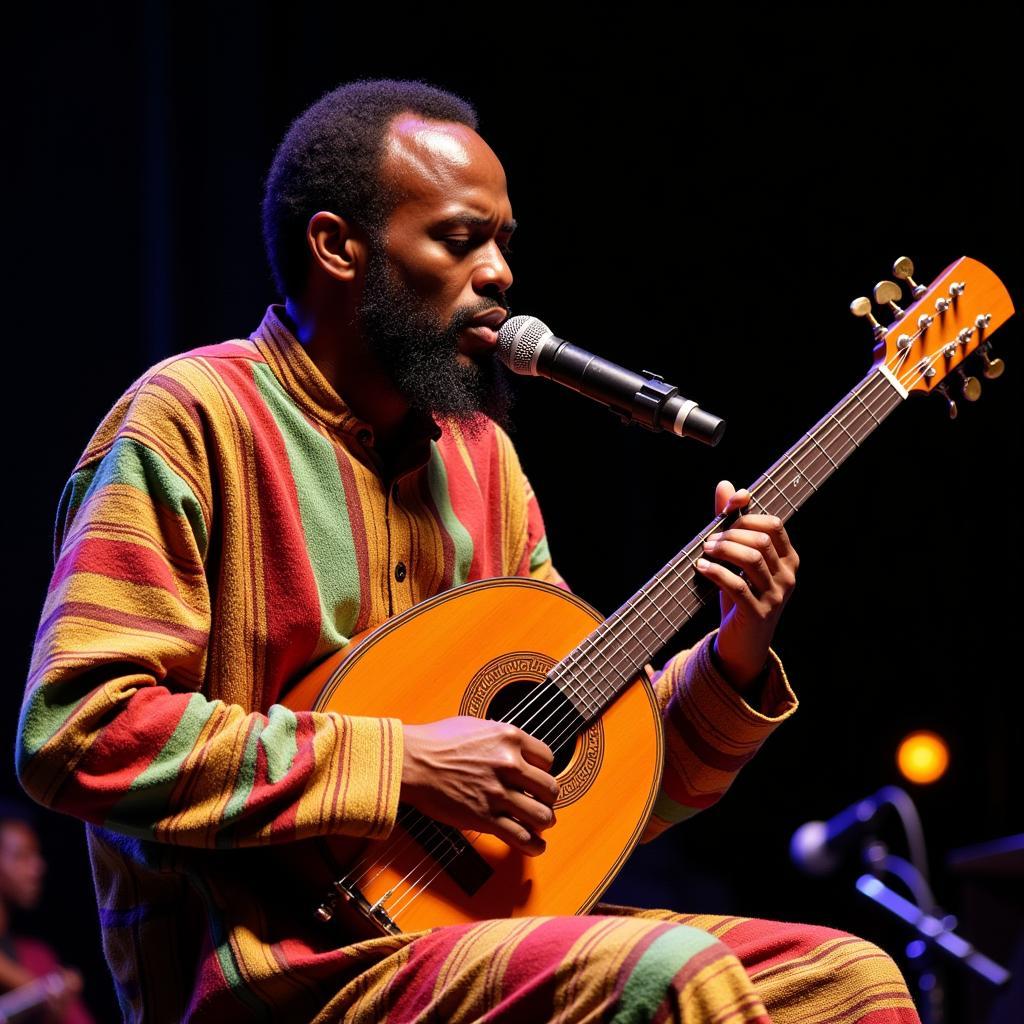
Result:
<point x="686" y="557"/>
<point x="674" y="568"/>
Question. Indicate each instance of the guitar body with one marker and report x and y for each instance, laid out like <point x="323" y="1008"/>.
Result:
<point x="481" y="649"/>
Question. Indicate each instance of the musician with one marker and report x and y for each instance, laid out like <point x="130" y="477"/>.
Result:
<point x="24" y="960"/>
<point x="244" y="510"/>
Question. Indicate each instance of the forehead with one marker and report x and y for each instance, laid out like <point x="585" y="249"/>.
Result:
<point x="436" y="168"/>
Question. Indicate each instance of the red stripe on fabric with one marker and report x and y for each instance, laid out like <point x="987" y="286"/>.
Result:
<point x="531" y="978"/>
<point x="291" y="597"/>
<point x="127" y="745"/>
<point x="411" y="989"/>
<point x="101" y="613"/>
<point x="762" y="944"/>
<point x="709" y="755"/>
<point x="119" y="560"/>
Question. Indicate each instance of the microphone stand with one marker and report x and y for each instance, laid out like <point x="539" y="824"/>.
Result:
<point x="934" y="928"/>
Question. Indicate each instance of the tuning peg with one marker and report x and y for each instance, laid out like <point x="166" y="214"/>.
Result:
<point x="903" y="268"/>
<point x="886" y="293"/>
<point x="862" y="307"/>
<point x="944" y="391"/>
<point x="993" y="367"/>
<point x="970" y="387"/>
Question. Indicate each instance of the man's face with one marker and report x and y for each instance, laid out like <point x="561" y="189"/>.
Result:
<point x="439" y="267"/>
<point x="21" y="865"/>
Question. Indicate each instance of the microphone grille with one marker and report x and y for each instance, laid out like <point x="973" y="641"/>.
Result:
<point x="519" y="341"/>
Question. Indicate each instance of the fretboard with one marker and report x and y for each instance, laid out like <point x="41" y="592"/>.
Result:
<point x="596" y="671"/>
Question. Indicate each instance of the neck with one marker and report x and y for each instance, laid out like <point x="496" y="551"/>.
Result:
<point x="340" y="353"/>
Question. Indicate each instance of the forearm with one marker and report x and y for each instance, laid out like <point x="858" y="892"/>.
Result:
<point x="711" y="730"/>
<point x="137" y="758"/>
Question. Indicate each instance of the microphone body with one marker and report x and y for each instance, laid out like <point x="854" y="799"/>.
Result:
<point x="527" y="346"/>
<point x="817" y="847"/>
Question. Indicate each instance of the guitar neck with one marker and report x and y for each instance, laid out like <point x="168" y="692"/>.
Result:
<point x="595" y="672"/>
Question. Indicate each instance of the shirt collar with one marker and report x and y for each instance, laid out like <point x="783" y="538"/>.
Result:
<point x="302" y="379"/>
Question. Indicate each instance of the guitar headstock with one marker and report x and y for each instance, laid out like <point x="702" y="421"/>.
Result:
<point x="949" y="320"/>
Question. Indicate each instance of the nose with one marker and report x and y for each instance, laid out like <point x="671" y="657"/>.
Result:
<point x="493" y="271"/>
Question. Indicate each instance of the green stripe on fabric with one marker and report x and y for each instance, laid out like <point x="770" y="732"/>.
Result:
<point x="325" y="522"/>
<point x="437" y="479"/>
<point x="147" y="797"/>
<point x="540" y="553"/>
<point x="668" y="810"/>
<point x="278" y="741"/>
<point x="225" y="956"/>
<point x="133" y="464"/>
<point x="43" y="715"/>
<point x="648" y="982"/>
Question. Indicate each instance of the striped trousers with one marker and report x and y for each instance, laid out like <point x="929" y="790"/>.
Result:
<point x="624" y="965"/>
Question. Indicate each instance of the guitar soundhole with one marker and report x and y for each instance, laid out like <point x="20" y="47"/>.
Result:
<point x="543" y="711"/>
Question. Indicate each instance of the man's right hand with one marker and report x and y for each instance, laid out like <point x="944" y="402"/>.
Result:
<point x="482" y="775"/>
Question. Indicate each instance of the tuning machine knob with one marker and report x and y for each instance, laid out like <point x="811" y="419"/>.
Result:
<point x="903" y="268"/>
<point x="862" y="307"/>
<point x="993" y="367"/>
<point x="970" y="387"/>
<point x="886" y="293"/>
<point x="943" y="390"/>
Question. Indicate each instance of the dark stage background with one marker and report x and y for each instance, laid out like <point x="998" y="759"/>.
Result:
<point x="705" y="206"/>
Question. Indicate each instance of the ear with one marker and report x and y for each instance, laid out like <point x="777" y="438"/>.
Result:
<point x="338" y="247"/>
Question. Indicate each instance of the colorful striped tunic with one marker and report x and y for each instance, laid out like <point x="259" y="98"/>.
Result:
<point x="226" y="528"/>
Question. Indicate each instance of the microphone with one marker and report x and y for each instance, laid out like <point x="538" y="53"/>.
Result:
<point x="526" y="345"/>
<point x="817" y="847"/>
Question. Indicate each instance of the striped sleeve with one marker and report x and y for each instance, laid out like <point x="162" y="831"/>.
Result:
<point x="710" y="730"/>
<point x="114" y="727"/>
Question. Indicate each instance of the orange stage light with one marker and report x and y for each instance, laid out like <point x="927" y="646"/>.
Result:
<point x="923" y="757"/>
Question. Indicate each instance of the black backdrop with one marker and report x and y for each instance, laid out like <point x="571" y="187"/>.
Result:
<point x="701" y="202"/>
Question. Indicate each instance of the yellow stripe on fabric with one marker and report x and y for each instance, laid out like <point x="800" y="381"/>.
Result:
<point x="721" y="992"/>
<point x="513" y="503"/>
<point x="477" y="965"/>
<point x="236" y="675"/>
<point x="375" y="525"/>
<point x="830" y="982"/>
<point x="590" y="969"/>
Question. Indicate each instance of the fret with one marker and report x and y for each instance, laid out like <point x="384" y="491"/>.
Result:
<point x="607" y="660"/>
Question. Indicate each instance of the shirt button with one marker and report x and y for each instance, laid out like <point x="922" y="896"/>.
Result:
<point x="400" y="571"/>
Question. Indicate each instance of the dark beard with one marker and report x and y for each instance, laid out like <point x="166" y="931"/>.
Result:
<point x="418" y="352"/>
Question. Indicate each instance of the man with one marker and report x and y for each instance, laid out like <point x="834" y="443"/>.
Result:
<point x="248" y="507"/>
<point x="24" y="961"/>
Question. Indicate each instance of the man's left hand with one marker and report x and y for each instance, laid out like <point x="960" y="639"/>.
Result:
<point x="759" y="546"/>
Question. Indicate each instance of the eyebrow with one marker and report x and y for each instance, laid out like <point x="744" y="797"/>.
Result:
<point x="470" y="220"/>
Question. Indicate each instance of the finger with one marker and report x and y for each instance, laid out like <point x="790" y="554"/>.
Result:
<point x="536" y="781"/>
<point x="723" y="492"/>
<point x="536" y="751"/>
<point x="750" y="560"/>
<point x="755" y="540"/>
<point x="735" y="586"/>
<point x="529" y="812"/>
<point x="516" y="835"/>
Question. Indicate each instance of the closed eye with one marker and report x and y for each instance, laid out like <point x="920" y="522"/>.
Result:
<point x="465" y="244"/>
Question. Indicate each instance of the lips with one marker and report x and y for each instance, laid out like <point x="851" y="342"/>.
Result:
<point x="481" y="334"/>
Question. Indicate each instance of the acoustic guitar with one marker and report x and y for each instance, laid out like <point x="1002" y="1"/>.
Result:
<point x="521" y="651"/>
